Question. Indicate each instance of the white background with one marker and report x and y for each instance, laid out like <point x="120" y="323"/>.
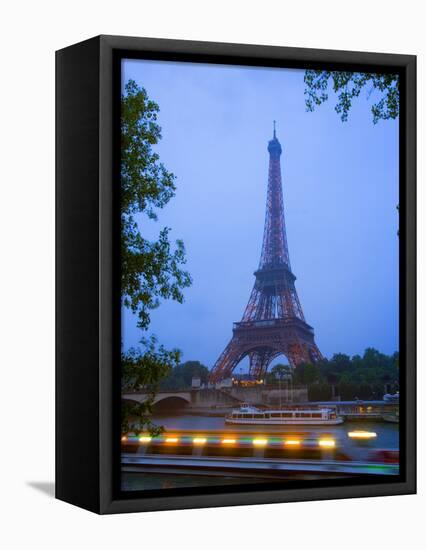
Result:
<point x="30" y="33"/>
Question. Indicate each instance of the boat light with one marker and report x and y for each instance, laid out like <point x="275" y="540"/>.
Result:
<point x="145" y="439"/>
<point x="292" y="442"/>
<point x="199" y="440"/>
<point x="259" y="442"/>
<point x="327" y="443"/>
<point x="229" y="441"/>
<point x="124" y="438"/>
<point x="172" y="439"/>
<point x="360" y="434"/>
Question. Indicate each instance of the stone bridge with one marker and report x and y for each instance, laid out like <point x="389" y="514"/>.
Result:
<point x="223" y="398"/>
<point x="140" y="397"/>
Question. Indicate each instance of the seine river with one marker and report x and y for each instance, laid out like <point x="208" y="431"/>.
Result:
<point x="387" y="437"/>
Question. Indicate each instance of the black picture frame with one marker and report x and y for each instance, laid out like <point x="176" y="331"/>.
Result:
<point x="87" y="272"/>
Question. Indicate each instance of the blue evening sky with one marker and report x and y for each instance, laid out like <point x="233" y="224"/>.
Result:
<point x="340" y="185"/>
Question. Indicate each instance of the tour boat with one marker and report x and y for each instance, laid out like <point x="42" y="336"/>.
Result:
<point x="250" y="415"/>
<point x="391" y="397"/>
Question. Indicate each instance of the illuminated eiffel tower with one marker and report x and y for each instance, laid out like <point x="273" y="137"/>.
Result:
<point x="273" y="322"/>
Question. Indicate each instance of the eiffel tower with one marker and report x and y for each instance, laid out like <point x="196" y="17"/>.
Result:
<point x="273" y="322"/>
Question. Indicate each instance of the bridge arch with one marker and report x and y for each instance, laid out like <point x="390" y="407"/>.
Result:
<point x="169" y="403"/>
<point x="131" y="401"/>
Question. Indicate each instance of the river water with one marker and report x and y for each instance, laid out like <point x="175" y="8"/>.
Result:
<point x="387" y="437"/>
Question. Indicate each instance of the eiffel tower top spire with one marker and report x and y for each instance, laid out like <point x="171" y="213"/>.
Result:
<point x="274" y="247"/>
<point x="274" y="146"/>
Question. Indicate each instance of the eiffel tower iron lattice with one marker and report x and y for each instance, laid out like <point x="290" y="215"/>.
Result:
<point x="273" y="322"/>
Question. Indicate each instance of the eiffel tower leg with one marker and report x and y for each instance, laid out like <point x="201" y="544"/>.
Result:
<point x="315" y="354"/>
<point x="297" y="354"/>
<point x="303" y="353"/>
<point x="228" y="360"/>
<point x="259" y="361"/>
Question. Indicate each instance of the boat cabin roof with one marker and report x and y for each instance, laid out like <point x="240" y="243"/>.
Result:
<point x="268" y="411"/>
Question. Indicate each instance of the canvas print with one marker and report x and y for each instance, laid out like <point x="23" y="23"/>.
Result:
<point x="259" y="275"/>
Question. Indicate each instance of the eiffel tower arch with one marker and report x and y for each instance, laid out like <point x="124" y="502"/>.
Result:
<point x="273" y="322"/>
